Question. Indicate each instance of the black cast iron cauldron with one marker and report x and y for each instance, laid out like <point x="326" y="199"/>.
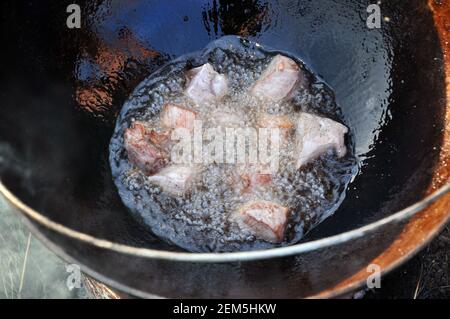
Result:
<point x="61" y="90"/>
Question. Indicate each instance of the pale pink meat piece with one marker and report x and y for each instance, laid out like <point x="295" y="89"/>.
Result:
<point x="281" y="122"/>
<point x="266" y="220"/>
<point x="279" y="80"/>
<point x="175" y="180"/>
<point x="317" y="135"/>
<point x="146" y="147"/>
<point x="205" y="84"/>
<point x="175" y="116"/>
<point x="254" y="176"/>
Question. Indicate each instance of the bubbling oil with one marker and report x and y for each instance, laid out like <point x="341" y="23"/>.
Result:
<point x="201" y="220"/>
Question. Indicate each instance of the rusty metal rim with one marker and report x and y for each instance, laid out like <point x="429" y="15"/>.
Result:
<point x="358" y="284"/>
<point x="222" y="257"/>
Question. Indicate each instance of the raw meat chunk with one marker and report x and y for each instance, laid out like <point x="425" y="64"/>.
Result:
<point x="205" y="84"/>
<point x="267" y="220"/>
<point x="317" y="135"/>
<point x="279" y="80"/>
<point x="175" y="180"/>
<point x="254" y="176"/>
<point x="175" y="116"/>
<point x="281" y="122"/>
<point x="148" y="156"/>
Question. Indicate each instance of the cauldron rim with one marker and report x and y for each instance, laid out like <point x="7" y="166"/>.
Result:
<point x="296" y="249"/>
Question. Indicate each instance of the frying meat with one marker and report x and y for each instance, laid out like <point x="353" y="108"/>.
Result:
<point x="254" y="176"/>
<point x="175" y="116"/>
<point x="281" y="122"/>
<point x="267" y="220"/>
<point x="279" y="80"/>
<point x="205" y="84"/>
<point x="239" y="181"/>
<point x="161" y="139"/>
<point x="145" y="148"/>
<point x="317" y="135"/>
<point x="175" y="180"/>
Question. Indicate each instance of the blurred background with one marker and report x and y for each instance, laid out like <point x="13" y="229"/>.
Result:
<point x="27" y="268"/>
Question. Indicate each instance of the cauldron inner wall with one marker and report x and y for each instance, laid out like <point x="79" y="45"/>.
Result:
<point x="53" y="153"/>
